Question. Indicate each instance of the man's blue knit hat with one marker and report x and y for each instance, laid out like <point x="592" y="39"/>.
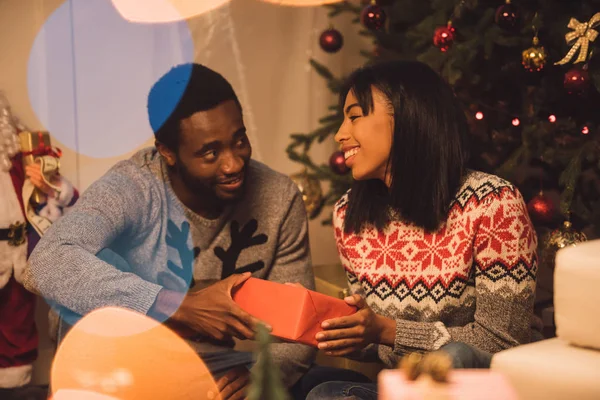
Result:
<point x="185" y="90"/>
<point x="166" y="94"/>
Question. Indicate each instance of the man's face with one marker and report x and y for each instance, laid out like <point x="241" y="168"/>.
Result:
<point x="214" y="152"/>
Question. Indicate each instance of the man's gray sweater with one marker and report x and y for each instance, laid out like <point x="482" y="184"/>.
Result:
<point x="132" y="215"/>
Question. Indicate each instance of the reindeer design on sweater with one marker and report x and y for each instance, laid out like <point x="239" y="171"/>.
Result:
<point x="241" y="238"/>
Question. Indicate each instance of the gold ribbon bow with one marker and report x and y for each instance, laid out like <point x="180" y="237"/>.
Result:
<point x="583" y="33"/>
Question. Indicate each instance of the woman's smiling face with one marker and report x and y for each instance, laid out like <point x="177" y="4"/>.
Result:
<point x="366" y="140"/>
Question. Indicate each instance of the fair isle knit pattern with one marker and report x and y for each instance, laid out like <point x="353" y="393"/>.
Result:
<point x="471" y="281"/>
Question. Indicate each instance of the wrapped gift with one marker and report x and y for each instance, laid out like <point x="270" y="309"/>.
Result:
<point x="577" y="276"/>
<point x="551" y="369"/>
<point x="464" y="384"/>
<point x="33" y="145"/>
<point x="294" y="313"/>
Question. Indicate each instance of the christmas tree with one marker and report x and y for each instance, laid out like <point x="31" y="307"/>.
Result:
<point x="528" y="75"/>
<point x="265" y="380"/>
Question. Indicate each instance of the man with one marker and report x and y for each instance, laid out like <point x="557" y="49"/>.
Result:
<point x="18" y="333"/>
<point x="195" y="212"/>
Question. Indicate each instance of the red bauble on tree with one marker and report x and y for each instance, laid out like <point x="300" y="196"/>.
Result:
<point x="443" y="37"/>
<point x="331" y="40"/>
<point x="541" y="209"/>
<point x="508" y="17"/>
<point x="373" y="17"/>
<point x="577" y="80"/>
<point x="337" y="163"/>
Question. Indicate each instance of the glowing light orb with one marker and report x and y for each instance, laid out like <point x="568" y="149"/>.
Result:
<point x="90" y="72"/>
<point x="160" y="11"/>
<point x="126" y="355"/>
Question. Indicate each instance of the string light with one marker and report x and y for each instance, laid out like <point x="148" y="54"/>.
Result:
<point x="515" y="120"/>
<point x="585" y="130"/>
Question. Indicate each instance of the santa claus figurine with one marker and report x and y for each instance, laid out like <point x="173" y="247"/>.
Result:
<point x="18" y="334"/>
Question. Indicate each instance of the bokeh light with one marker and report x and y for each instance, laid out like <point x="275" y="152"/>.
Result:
<point x="127" y="355"/>
<point x="90" y="72"/>
<point x="160" y="11"/>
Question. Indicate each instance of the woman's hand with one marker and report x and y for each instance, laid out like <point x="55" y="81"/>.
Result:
<point x="345" y="335"/>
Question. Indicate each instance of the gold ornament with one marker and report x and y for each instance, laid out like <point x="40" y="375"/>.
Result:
<point x="310" y="188"/>
<point x="534" y="58"/>
<point x="565" y="236"/>
<point x="557" y="239"/>
<point x="582" y="35"/>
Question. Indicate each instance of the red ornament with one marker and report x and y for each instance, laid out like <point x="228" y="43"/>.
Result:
<point x="443" y="37"/>
<point x="541" y="208"/>
<point x="373" y="17"/>
<point x="331" y="40"/>
<point x="508" y="17"/>
<point x="577" y="80"/>
<point x="337" y="163"/>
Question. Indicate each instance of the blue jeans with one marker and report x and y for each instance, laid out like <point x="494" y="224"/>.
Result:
<point x="318" y="374"/>
<point x="463" y="356"/>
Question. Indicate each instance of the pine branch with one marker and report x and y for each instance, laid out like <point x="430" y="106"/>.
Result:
<point x="265" y="381"/>
<point x="321" y="69"/>
<point x="518" y="157"/>
<point x="568" y="179"/>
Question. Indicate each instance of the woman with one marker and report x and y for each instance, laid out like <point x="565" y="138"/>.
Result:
<point x="437" y="256"/>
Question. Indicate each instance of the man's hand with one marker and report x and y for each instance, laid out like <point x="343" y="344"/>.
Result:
<point x="213" y="313"/>
<point x="234" y="384"/>
<point x="34" y="173"/>
<point x="346" y="335"/>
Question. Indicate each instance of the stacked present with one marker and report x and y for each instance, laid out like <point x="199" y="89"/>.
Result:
<point x="568" y="366"/>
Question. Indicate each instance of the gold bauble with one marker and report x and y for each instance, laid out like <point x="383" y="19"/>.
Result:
<point x="310" y="188"/>
<point x="563" y="237"/>
<point x="557" y="239"/>
<point x="534" y="58"/>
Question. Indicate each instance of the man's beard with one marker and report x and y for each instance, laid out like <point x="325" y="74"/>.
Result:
<point x="201" y="188"/>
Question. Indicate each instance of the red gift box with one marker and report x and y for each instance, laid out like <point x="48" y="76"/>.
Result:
<point x="294" y="313"/>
